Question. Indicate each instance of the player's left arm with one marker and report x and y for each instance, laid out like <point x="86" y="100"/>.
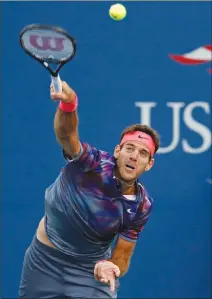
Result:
<point x="122" y="254"/>
<point x="107" y="271"/>
<point x="128" y="237"/>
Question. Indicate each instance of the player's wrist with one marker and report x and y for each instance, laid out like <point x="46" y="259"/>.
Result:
<point x="69" y="106"/>
<point x="102" y="261"/>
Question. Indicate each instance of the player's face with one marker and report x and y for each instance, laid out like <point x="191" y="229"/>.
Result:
<point x="132" y="160"/>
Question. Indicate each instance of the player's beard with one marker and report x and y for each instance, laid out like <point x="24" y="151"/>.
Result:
<point x="126" y="175"/>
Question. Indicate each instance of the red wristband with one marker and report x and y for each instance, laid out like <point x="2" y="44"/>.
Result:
<point x="69" y="107"/>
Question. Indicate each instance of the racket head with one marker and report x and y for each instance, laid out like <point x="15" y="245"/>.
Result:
<point x="48" y="44"/>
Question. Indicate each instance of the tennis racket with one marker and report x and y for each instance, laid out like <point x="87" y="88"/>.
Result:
<point x="51" y="46"/>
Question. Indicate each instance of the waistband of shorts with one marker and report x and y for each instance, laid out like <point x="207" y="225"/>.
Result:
<point x="37" y="244"/>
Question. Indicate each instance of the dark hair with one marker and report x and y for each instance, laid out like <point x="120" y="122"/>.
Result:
<point x="145" y="129"/>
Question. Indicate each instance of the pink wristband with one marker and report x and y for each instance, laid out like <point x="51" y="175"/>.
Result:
<point x="69" y="107"/>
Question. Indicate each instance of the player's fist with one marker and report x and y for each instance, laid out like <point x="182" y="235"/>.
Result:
<point x="67" y="95"/>
<point x="106" y="272"/>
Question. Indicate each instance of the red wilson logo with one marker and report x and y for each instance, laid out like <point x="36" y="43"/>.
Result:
<point x="197" y="56"/>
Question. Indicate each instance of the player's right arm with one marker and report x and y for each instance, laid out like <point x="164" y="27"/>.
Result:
<point x="66" y="130"/>
<point x="66" y="123"/>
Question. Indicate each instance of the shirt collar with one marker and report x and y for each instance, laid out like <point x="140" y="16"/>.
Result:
<point x="117" y="185"/>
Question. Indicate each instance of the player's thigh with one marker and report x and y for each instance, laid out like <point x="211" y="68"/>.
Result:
<point x="82" y="284"/>
<point x="41" y="275"/>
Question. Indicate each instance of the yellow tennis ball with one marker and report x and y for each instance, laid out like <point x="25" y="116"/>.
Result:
<point x="117" y="12"/>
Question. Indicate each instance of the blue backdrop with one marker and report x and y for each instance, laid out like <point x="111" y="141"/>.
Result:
<point x="120" y="71"/>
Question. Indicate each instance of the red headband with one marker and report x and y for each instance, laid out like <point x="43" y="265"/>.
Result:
<point x="140" y="137"/>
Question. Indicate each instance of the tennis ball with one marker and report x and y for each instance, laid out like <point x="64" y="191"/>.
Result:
<point x="117" y="12"/>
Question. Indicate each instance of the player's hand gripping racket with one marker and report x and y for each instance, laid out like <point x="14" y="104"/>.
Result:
<point x="51" y="46"/>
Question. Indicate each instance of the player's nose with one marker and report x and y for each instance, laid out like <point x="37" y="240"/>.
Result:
<point x="134" y="156"/>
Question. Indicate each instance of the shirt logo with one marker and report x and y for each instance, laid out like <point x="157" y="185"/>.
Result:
<point x="129" y="211"/>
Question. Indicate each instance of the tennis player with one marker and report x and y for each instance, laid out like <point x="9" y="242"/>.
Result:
<point x="94" y="212"/>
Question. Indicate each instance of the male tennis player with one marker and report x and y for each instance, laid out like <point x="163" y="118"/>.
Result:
<point x="94" y="212"/>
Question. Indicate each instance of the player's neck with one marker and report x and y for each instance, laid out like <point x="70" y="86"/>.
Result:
<point x="127" y="187"/>
<point x="128" y="190"/>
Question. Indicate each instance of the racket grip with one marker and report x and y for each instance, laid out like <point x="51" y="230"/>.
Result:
<point x="56" y="83"/>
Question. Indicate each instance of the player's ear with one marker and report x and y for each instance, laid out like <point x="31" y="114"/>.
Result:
<point x="117" y="151"/>
<point x="149" y="165"/>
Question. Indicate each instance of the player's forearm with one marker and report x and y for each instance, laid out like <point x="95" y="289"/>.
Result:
<point x="65" y="124"/>
<point x="122" y="264"/>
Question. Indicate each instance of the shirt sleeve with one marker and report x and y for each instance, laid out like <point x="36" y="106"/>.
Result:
<point x="132" y="234"/>
<point x="89" y="157"/>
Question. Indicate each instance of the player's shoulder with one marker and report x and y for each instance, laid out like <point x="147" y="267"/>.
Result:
<point x="106" y="157"/>
<point x="103" y="154"/>
<point x="146" y="198"/>
<point x="89" y="152"/>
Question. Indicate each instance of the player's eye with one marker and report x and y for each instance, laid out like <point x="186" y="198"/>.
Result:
<point x="143" y="154"/>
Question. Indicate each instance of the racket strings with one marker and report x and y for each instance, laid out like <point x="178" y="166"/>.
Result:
<point x="47" y="45"/>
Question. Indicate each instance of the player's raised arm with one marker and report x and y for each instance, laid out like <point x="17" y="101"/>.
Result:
<point x="66" y="120"/>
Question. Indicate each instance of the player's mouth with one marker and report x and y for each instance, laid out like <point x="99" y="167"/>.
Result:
<point x="130" y="167"/>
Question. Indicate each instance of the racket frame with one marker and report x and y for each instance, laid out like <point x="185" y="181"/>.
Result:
<point x="44" y="61"/>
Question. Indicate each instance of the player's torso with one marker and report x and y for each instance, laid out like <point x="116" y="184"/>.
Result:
<point x="86" y="209"/>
